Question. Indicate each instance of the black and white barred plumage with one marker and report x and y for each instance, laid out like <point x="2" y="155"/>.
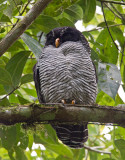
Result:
<point x="66" y="73"/>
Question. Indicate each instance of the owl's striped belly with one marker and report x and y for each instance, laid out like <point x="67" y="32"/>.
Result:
<point x="67" y="77"/>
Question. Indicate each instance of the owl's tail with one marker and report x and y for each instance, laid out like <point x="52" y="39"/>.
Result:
<point x="72" y="135"/>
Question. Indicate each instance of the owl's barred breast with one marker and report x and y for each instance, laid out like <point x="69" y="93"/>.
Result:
<point x="67" y="72"/>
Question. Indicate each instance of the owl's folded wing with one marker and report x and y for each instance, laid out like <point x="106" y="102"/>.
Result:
<point x="37" y="83"/>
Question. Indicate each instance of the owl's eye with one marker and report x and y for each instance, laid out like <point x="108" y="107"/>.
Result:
<point x="57" y="42"/>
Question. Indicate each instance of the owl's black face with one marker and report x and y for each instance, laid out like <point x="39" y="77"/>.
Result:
<point x="63" y="34"/>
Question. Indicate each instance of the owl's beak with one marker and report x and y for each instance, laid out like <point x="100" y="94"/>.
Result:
<point x="57" y="42"/>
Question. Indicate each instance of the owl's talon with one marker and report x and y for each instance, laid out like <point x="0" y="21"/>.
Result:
<point x="73" y="102"/>
<point x="63" y="101"/>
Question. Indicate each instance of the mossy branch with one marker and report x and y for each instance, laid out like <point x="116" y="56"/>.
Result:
<point x="56" y="113"/>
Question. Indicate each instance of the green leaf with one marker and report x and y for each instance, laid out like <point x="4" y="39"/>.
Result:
<point x="75" y="12"/>
<point x="59" y="148"/>
<point x="4" y="18"/>
<point x="15" y="66"/>
<point x="5" y="77"/>
<point x="8" y="136"/>
<point x="65" y="22"/>
<point x="108" y="159"/>
<point x="2" y="90"/>
<point x="22" y="100"/>
<point x="89" y="8"/>
<point x="33" y="45"/>
<point x="79" y="153"/>
<point x="93" y="155"/>
<point x="46" y="23"/>
<point x="122" y="69"/>
<point x="20" y="155"/>
<point x="28" y="69"/>
<point x="2" y="63"/>
<point x="109" y="79"/>
<point x="115" y="31"/>
<point x="27" y="78"/>
<point x="104" y="99"/>
<point x="55" y="8"/>
<point x="120" y="144"/>
<point x="51" y="133"/>
<point x="13" y="99"/>
<point x="30" y="92"/>
<point x="107" y="50"/>
<point x="4" y="102"/>
<point x="16" y="46"/>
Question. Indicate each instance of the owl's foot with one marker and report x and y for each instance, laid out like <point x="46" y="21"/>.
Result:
<point x="73" y="102"/>
<point x="63" y="101"/>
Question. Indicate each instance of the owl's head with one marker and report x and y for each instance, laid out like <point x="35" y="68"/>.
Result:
<point x="63" y="34"/>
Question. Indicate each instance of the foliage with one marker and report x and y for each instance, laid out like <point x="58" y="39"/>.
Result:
<point x="16" y="78"/>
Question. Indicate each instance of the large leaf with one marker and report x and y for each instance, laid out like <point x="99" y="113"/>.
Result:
<point x="46" y="23"/>
<point x="120" y="144"/>
<point x="58" y="148"/>
<point x="22" y="100"/>
<point x="116" y="32"/>
<point x="65" y="22"/>
<point x="107" y="51"/>
<point x="55" y="8"/>
<point x="20" y="155"/>
<point x="5" y="77"/>
<point x="89" y="8"/>
<point x="15" y="66"/>
<point x="2" y="90"/>
<point x="4" y="102"/>
<point x="27" y="78"/>
<point x="33" y="45"/>
<point x="8" y="135"/>
<point x="74" y="13"/>
<point x="109" y="79"/>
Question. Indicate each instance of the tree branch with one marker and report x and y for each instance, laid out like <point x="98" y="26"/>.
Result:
<point x="95" y="150"/>
<point x="59" y="113"/>
<point x="15" y="33"/>
<point x="115" y="2"/>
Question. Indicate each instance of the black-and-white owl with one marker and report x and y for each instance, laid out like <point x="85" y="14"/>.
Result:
<point x="65" y="73"/>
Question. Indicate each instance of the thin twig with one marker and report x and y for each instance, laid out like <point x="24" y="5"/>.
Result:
<point x="22" y="12"/>
<point x="109" y="30"/>
<point x="16" y="6"/>
<point x="116" y="10"/>
<point x="9" y="93"/>
<point x="40" y="36"/>
<point x="112" y="11"/>
<point x="114" y="25"/>
<point x="95" y="150"/>
<point x="107" y="26"/>
<point x="115" y="2"/>
<point x="7" y="25"/>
